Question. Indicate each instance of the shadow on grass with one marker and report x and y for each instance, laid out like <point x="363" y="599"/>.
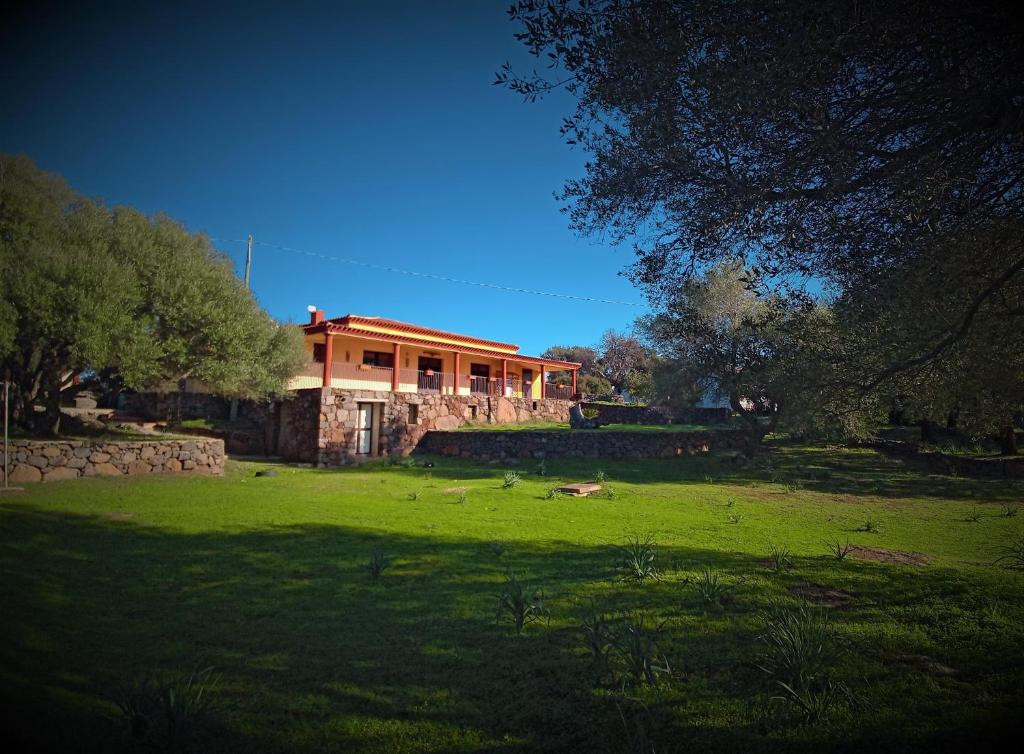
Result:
<point x="316" y="656"/>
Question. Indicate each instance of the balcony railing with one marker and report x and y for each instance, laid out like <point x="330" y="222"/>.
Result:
<point x="361" y="376"/>
<point x="558" y="392"/>
<point x="427" y="381"/>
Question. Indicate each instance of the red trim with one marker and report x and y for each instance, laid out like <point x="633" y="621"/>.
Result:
<point x="456" y="390"/>
<point x="504" y="377"/>
<point x="337" y="329"/>
<point x="543" y="389"/>
<point x="395" y="368"/>
<point x="352" y="319"/>
<point x="574" y="382"/>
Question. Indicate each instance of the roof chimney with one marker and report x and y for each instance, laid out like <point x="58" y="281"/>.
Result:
<point x="316" y="316"/>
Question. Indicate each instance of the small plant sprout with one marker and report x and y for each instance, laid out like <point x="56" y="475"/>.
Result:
<point x="709" y="587"/>
<point x="463" y="497"/>
<point x="1009" y="511"/>
<point x="554" y="494"/>
<point x="636" y="646"/>
<point x="974" y="516"/>
<point x="600" y="476"/>
<point x="415" y="495"/>
<point x="377" y="563"/>
<point x="735" y="518"/>
<point x="869" y="526"/>
<point x="638" y="559"/>
<point x="1012" y="555"/>
<point x="839" y="550"/>
<point x="609" y="493"/>
<point x="520" y="603"/>
<point x="512" y="479"/>
<point x="779" y="558"/>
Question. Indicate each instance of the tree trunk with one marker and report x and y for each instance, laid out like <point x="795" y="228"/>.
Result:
<point x="927" y="431"/>
<point x="1007" y="440"/>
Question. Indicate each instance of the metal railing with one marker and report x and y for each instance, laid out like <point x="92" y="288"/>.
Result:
<point x="558" y="392"/>
<point x="428" y="380"/>
<point x="361" y="376"/>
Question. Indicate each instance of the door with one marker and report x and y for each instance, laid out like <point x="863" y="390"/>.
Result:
<point x="364" y="429"/>
<point x="527" y="383"/>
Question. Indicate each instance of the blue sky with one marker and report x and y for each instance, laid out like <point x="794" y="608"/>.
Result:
<point x="365" y="131"/>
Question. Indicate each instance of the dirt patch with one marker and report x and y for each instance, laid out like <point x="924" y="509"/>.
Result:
<point x="881" y="555"/>
<point x="455" y="491"/>
<point x="823" y="596"/>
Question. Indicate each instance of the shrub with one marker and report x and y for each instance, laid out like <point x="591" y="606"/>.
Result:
<point x="512" y="479"/>
<point x="554" y="493"/>
<point x="709" y="587"/>
<point x="1009" y="511"/>
<point x="167" y="709"/>
<point x="609" y="493"/>
<point x="838" y="549"/>
<point x="638" y="559"/>
<point x="521" y="603"/>
<point x="869" y="526"/>
<point x="779" y="558"/>
<point x="377" y="563"/>
<point x="635" y="645"/>
<point x="599" y="477"/>
<point x="1012" y="554"/>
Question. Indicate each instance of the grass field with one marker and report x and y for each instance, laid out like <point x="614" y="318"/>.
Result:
<point x="266" y="579"/>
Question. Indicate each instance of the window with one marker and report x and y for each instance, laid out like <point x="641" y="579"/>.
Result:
<point x="472" y="412"/>
<point x="414" y="413"/>
<point x="379" y="358"/>
<point x="535" y="405"/>
<point x="319" y="352"/>
<point x="479" y="370"/>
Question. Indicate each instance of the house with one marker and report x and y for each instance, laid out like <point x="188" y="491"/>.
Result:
<point x="374" y="386"/>
<point x="372" y="353"/>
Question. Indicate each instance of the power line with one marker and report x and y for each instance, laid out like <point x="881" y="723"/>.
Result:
<point x="430" y="275"/>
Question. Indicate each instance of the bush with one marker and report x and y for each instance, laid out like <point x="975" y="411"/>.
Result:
<point x="166" y="709"/>
<point x="512" y="479"/>
<point x="638" y="559"/>
<point x="522" y="604"/>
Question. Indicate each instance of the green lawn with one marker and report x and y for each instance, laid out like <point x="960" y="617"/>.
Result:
<point x="266" y="579"/>
<point x="543" y="426"/>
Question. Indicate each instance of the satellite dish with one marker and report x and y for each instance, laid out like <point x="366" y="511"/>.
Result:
<point x="311" y="309"/>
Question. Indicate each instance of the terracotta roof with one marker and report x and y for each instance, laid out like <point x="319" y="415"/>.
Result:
<point x="358" y="319"/>
<point x="335" y="326"/>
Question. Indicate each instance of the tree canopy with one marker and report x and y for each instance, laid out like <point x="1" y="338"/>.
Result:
<point x="88" y="288"/>
<point x="874" y="148"/>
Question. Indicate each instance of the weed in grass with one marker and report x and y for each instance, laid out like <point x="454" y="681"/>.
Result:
<point x="838" y="549"/>
<point x="636" y="647"/>
<point x="377" y="563"/>
<point x="730" y="503"/>
<point x="415" y="495"/>
<point x="973" y="517"/>
<point x="554" y="494"/>
<point x="609" y="493"/>
<point x="794" y="485"/>
<point x="164" y="711"/>
<point x="779" y="558"/>
<point x="735" y="518"/>
<point x="638" y="559"/>
<point x="512" y="479"/>
<point x="869" y="526"/>
<point x="1009" y="511"/>
<point x="599" y="636"/>
<point x="522" y="604"/>
<point x="1012" y="555"/>
<point x="709" y="587"/>
<point x="708" y="479"/>
<point x="599" y="477"/>
<point x="463" y="497"/>
<point x="799" y="648"/>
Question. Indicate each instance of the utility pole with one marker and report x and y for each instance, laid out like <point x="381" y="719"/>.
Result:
<point x="248" y="261"/>
<point x="233" y="410"/>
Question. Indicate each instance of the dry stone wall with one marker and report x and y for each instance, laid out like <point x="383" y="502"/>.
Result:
<point x="612" y="413"/>
<point x="525" y="444"/>
<point x="57" y="460"/>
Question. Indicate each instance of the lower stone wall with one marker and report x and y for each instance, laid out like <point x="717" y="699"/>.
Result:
<point x="319" y="425"/>
<point x="610" y="413"/>
<point x="943" y="463"/>
<point x="505" y="446"/>
<point x="56" y="460"/>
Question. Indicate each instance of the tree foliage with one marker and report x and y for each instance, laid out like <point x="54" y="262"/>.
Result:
<point x="874" y="146"/>
<point x="87" y="288"/>
<point x="621" y="355"/>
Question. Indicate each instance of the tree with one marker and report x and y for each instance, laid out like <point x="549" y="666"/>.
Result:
<point x="585" y="356"/>
<point x="850" y="142"/>
<point x="726" y="336"/>
<point x="620" y="356"/>
<point x="86" y="288"/>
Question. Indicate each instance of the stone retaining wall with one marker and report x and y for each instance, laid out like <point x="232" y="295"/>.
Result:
<point x="56" y="460"/>
<point x="524" y="444"/>
<point x="943" y="463"/>
<point x="611" y="413"/>
<point x="319" y="425"/>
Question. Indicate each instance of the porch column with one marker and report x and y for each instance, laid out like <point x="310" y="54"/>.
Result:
<point x="542" y="382"/>
<point x="395" y="369"/>
<point x="504" y="377"/>
<point x="574" y="384"/>
<point x="328" y="358"/>
<point x="455" y="389"/>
